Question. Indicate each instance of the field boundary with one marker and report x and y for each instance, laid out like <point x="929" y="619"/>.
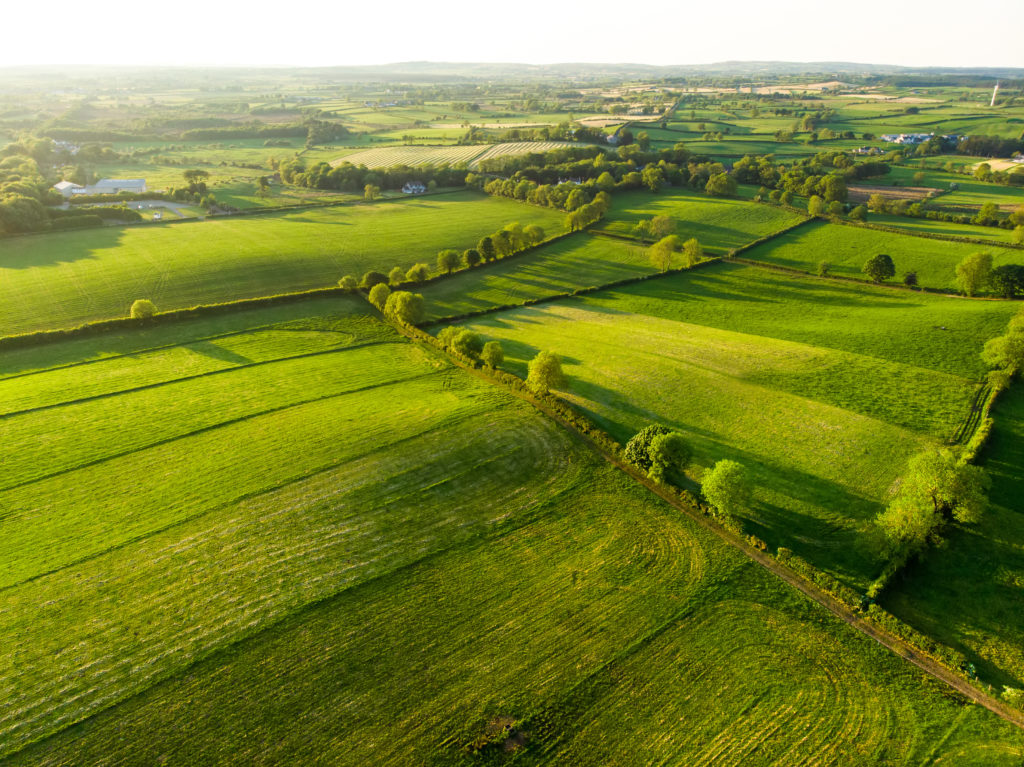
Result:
<point x="921" y="235"/>
<point x="551" y="406"/>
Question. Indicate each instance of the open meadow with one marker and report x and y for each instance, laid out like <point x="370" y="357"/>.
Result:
<point x="719" y="224"/>
<point x="347" y="550"/>
<point x="824" y="389"/>
<point x="847" y="248"/>
<point x="65" y="279"/>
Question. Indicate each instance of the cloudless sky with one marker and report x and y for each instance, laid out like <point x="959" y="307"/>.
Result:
<point x="345" y="32"/>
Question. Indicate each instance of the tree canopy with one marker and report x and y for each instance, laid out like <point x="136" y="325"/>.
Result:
<point x="880" y="268"/>
<point x="726" y="486"/>
<point x="545" y="372"/>
<point x="406" y="307"/>
<point x="972" y="274"/>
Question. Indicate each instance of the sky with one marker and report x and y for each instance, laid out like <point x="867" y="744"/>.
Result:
<point x="347" y="32"/>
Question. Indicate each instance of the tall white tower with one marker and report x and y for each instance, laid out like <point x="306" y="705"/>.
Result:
<point x="994" y="92"/>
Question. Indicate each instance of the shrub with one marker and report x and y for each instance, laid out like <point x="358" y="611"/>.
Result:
<point x="396" y="276"/>
<point x="142" y="309"/>
<point x="372" y="278"/>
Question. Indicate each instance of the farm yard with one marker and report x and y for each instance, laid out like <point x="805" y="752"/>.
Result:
<point x="405" y="514"/>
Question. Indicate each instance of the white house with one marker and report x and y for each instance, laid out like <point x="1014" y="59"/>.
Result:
<point x="68" y="188"/>
<point x="413" y="187"/>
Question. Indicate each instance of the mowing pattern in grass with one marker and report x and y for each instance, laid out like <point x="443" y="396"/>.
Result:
<point x="60" y="280"/>
<point x="719" y="224"/>
<point x="847" y="248"/>
<point x="969" y="594"/>
<point x="362" y="555"/>
<point x="600" y="604"/>
<point x="580" y="261"/>
<point x="825" y="428"/>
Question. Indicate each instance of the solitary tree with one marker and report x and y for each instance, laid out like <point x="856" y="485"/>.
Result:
<point x="348" y="282"/>
<point x="545" y="372"/>
<point x="417" y="273"/>
<point x="726" y="486"/>
<point x="910" y="279"/>
<point x="935" y="490"/>
<point x="693" y="252"/>
<point x="487" y="249"/>
<point x="972" y="274"/>
<point x="447" y="260"/>
<point x="378" y="295"/>
<point x="492" y="354"/>
<point x="142" y="309"/>
<point x="406" y="307"/>
<point x="396" y="276"/>
<point x="880" y="268"/>
<point x="661" y="252"/>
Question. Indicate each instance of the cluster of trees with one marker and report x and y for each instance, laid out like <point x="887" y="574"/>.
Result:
<point x="664" y="455"/>
<point x="935" y="491"/>
<point x="826" y="174"/>
<point x="987" y="215"/>
<point x="24" y="192"/>
<point x="1006" y="352"/>
<point x="662" y="252"/>
<point x="511" y="239"/>
<point x="347" y="177"/>
<point x="470" y="344"/>
<point x="990" y="146"/>
<point x="401" y="305"/>
<point x="1013" y="177"/>
<point x="976" y="273"/>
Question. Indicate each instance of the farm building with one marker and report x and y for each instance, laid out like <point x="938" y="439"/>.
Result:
<point x="413" y="187"/>
<point x="68" y="188"/>
<point x="103" y="186"/>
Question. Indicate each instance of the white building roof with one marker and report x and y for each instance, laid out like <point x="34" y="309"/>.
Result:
<point x="120" y="182"/>
<point x="62" y="185"/>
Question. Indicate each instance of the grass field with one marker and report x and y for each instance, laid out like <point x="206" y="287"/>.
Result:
<point x="992" y="234"/>
<point x="370" y="557"/>
<point x="847" y="248"/>
<point x="720" y="224"/>
<point x="968" y="595"/>
<point x="580" y="261"/>
<point x="60" y="280"/>
<point x="757" y="367"/>
<point x="470" y="154"/>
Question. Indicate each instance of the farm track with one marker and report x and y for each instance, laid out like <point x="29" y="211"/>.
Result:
<point x="891" y="642"/>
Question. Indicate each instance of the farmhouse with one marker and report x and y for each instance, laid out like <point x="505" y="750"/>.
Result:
<point x="68" y="188"/>
<point x="413" y="187"/>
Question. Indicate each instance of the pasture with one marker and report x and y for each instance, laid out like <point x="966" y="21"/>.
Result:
<point x="469" y="155"/>
<point x="720" y="224"/>
<point x="65" y="279"/>
<point x="370" y="556"/>
<point x="579" y="261"/>
<point x="757" y="367"/>
<point x="847" y="248"/>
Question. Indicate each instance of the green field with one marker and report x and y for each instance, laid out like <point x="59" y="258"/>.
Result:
<point x="847" y="248"/>
<point x="371" y="557"/>
<point x="579" y="261"/>
<point x="993" y="234"/>
<point x="720" y="224"/>
<point x="968" y="595"/>
<point x="61" y="280"/>
<point x="756" y="366"/>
